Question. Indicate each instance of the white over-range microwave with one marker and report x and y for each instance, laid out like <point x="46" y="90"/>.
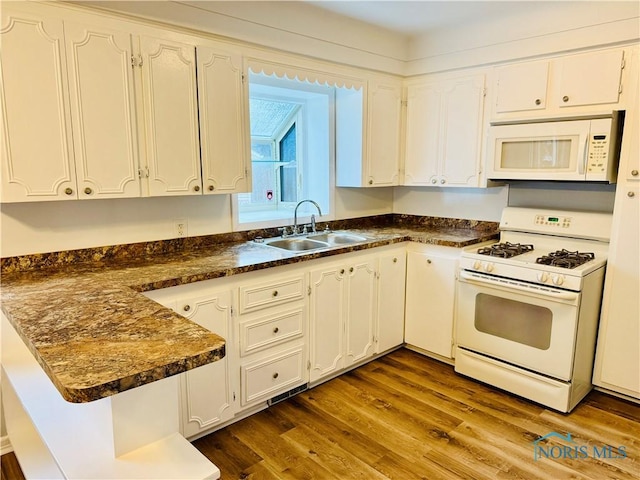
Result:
<point x="564" y="150"/>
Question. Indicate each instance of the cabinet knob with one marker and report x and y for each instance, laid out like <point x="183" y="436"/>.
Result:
<point x="276" y="330"/>
<point x="631" y="194"/>
<point x="370" y="182"/>
<point x="565" y="99"/>
<point x="429" y="261"/>
<point x="433" y="180"/>
<point x="211" y="188"/>
<point x="342" y="271"/>
<point x="538" y="101"/>
<point x="395" y="260"/>
<point x="633" y="172"/>
<point x="68" y="191"/>
<point x="275" y="293"/>
<point x="275" y="375"/>
<point x="196" y="188"/>
<point x="186" y="308"/>
<point x="351" y="270"/>
<point x="88" y="191"/>
<point x="443" y="181"/>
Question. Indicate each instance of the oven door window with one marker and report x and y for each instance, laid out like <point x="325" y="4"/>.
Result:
<point x="519" y="322"/>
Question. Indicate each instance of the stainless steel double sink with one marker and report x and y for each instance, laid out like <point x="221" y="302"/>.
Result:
<point x="315" y="241"/>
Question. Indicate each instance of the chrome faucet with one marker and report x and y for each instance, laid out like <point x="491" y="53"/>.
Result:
<point x="313" y="218"/>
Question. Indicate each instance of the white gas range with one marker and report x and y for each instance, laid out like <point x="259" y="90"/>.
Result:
<point x="528" y="306"/>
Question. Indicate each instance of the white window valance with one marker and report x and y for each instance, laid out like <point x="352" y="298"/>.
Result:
<point x="305" y="75"/>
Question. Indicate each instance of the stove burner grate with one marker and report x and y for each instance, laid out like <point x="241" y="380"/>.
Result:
<point x="506" y="249"/>
<point x="565" y="259"/>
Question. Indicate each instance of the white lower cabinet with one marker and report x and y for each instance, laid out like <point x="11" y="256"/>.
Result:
<point x="430" y="299"/>
<point x="342" y="315"/>
<point x="208" y="393"/>
<point x="271" y="329"/>
<point x="392" y="268"/>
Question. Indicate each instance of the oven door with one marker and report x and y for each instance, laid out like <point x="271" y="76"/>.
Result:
<point x="525" y="325"/>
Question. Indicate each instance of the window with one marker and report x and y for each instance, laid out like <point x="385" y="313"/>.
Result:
<point x="291" y="151"/>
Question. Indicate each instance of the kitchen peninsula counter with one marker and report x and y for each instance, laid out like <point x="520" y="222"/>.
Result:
<point x="94" y="333"/>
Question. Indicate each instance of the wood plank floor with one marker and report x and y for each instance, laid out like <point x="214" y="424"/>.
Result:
<point x="406" y="416"/>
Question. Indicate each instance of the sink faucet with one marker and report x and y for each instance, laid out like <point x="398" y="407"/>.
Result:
<point x="295" y="215"/>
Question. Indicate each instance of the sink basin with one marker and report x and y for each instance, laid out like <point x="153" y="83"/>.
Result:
<point x="297" y="244"/>
<point x="338" y="238"/>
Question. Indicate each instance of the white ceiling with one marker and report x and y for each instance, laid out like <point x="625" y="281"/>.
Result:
<point x="419" y="16"/>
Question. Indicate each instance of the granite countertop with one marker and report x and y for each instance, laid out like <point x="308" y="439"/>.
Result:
<point x="82" y="314"/>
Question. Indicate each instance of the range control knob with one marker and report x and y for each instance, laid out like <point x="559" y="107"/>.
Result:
<point x="477" y="265"/>
<point x="488" y="267"/>
<point x="543" y="277"/>
<point x="557" y="279"/>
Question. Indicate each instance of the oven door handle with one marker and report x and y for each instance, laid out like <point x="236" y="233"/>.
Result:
<point x="475" y="279"/>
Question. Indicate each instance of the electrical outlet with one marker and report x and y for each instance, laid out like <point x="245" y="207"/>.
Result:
<point x="180" y="227"/>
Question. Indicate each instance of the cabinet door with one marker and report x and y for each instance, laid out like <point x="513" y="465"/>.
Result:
<point x="383" y="153"/>
<point x="224" y="122"/>
<point x="521" y="87"/>
<point x="589" y="79"/>
<point x="327" y="321"/>
<point x="391" y="291"/>
<point x="422" y="135"/>
<point x="170" y="117"/>
<point x="430" y="302"/>
<point x="208" y="396"/>
<point x="618" y="350"/>
<point x="103" y="111"/>
<point x="37" y="153"/>
<point x="360" y="311"/>
<point x="461" y="132"/>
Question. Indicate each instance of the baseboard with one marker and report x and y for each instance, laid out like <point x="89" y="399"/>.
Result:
<point x="5" y="445"/>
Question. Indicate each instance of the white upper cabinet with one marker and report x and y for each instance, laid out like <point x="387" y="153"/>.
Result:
<point x="171" y="117"/>
<point x="369" y="135"/>
<point x="578" y="84"/>
<point x="103" y="111"/>
<point x="224" y="116"/>
<point x="37" y="150"/>
<point x="522" y="87"/>
<point x="444" y="132"/>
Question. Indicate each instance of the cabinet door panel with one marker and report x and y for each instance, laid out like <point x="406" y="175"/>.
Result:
<point x="461" y="134"/>
<point x="224" y="122"/>
<point x="423" y="134"/>
<point x="327" y="325"/>
<point x="430" y="302"/>
<point x="171" y="117"/>
<point x="385" y="110"/>
<point x="590" y="79"/>
<point x="522" y="87"/>
<point x="207" y="391"/>
<point x="618" y="352"/>
<point x="391" y="295"/>
<point x="103" y="111"/>
<point x="360" y="311"/>
<point x="37" y="155"/>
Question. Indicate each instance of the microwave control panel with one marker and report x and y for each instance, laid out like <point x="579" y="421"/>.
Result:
<point x="598" y="152"/>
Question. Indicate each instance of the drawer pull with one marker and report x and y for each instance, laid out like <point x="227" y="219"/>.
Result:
<point x="634" y="173"/>
<point x="631" y="194"/>
<point x="565" y="99"/>
<point x="275" y="293"/>
<point x="538" y="101"/>
<point x="342" y="272"/>
<point x="275" y="375"/>
<point x="196" y="188"/>
<point x="68" y="191"/>
<point x="395" y="260"/>
<point x="186" y="308"/>
<point x="276" y="330"/>
<point x="351" y="270"/>
<point x="88" y="191"/>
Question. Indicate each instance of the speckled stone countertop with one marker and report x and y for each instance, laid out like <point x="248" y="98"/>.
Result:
<point x="82" y="315"/>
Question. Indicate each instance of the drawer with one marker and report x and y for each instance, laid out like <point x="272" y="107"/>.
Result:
<point x="260" y="333"/>
<point x="271" y="376"/>
<point x="255" y="297"/>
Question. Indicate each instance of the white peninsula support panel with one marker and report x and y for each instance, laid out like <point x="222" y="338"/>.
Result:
<point x="130" y="435"/>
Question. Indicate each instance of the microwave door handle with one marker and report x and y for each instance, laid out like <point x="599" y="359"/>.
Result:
<point x="583" y="165"/>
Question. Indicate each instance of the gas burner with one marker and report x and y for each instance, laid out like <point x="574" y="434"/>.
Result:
<point x="505" y="250"/>
<point x="565" y="259"/>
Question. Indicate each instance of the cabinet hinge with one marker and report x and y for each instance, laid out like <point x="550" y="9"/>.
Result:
<point x="143" y="172"/>
<point x="136" y="61"/>
<point x="624" y="62"/>
<point x="484" y="92"/>
<point x="308" y="290"/>
<point x="308" y="364"/>
<point x="234" y="396"/>
<point x="404" y="103"/>
<point x="232" y="311"/>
